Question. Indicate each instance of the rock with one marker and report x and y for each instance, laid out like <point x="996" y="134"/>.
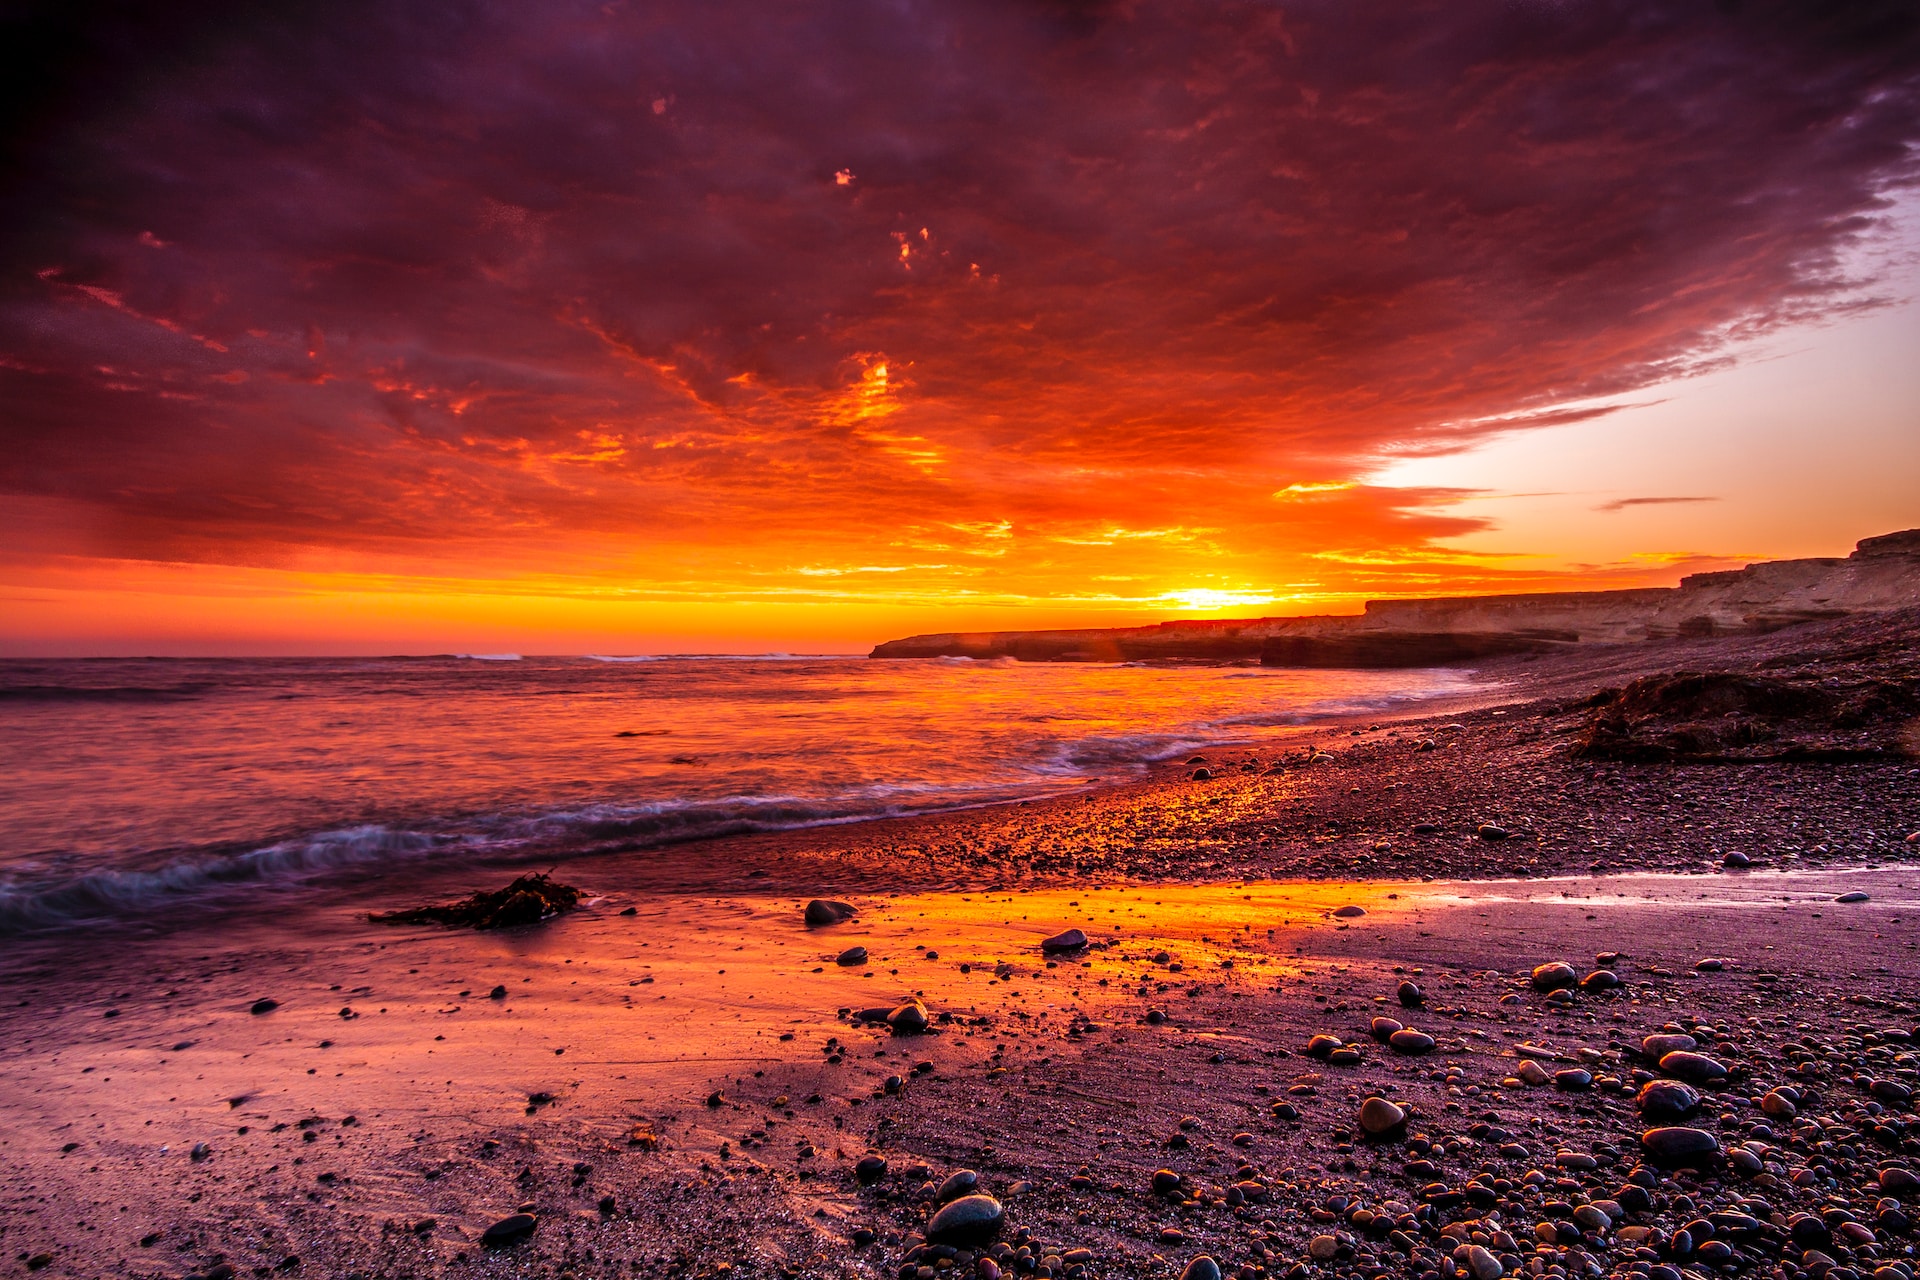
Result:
<point x="1736" y="860"/>
<point x="1349" y="912"/>
<point x="1709" y="965"/>
<point x="1660" y="1045"/>
<point x="1532" y="1073"/>
<point x="498" y="993"/>
<point x="1678" y="1148"/>
<point x="1323" y="1248"/>
<point x="1488" y="831"/>
<point x="1483" y="1264"/>
<point x="1383" y="1027"/>
<point x="851" y="956"/>
<point x="1410" y="996"/>
<point x="967" y="1222"/>
<point x="1411" y="1042"/>
<point x="1601" y="980"/>
<point x="1201" y="1268"/>
<point x="1660" y="1100"/>
<point x="1322" y="1045"/>
<point x="264" y="1006"/>
<point x="1695" y="1068"/>
<point x="1573" y="1079"/>
<point x="528" y="900"/>
<point x="1071" y="940"/>
<point x="961" y="1182"/>
<point x="1165" y="1180"/>
<point x="822" y="912"/>
<point x="1381" y="1120"/>
<point x="910" y="1019"/>
<point x="1900" y="1182"/>
<point x="1554" y="976"/>
<point x="510" y="1230"/>
<point x="1855" y="896"/>
<point x="870" y="1168"/>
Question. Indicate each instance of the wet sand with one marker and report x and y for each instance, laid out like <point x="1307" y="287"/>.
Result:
<point x="687" y="1089"/>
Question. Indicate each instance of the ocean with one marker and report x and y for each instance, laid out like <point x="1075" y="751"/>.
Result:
<point x="130" y="786"/>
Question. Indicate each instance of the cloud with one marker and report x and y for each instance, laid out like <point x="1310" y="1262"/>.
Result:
<point x="1621" y="504"/>
<point x="602" y="289"/>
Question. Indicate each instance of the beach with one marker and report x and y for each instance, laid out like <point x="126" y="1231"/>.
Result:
<point x="677" y="1078"/>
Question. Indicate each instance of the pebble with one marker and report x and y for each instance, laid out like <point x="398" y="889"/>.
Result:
<point x="1410" y="995"/>
<point x="1201" y="1268"/>
<point x="1554" y="976"/>
<point x="1736" y="859"/>
<point x="825" y="911"/>
<point x="1695" y="1068"/>
<point x="265" y="1005"/>
<point x="1659" y="1045"/>
<point x="1855" y="896"/>
<point x="1488" y="831"/>
<point x="966" y="1222"/>
<point x="1381" y="1119"/>
<point x="509" y="1230"/>
<point x="1323" y="1248"/>
<point x="851" y="956"/>
<point x="1349" y="911"/>
<point x="1070" y="940"/>
<point x="1680" y="1148"/>
<point x="1483" y="1264"/>
<point x="1411" y="1042"/>
<point x="961" y="1182"/>
<point x="870" y="1168"/>
<point x="910" y="1019"/>
<point x="1667" y="1100"/>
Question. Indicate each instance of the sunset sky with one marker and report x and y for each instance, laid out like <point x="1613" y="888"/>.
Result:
<point x="703" y="326"/>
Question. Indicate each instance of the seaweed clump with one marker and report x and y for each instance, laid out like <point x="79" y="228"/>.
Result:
<point x="528" y="900"/>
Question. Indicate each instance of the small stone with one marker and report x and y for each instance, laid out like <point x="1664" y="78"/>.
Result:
<point x="1709" y="965"/>
<point x="498" y="993"/>
<point x="1383" y="1027"/>
<point x="1323" y="1248"/>
<point x="1070" y="940"/>
<point x="1322" y="1045"/>
<point x="1736" y="860"/>
<point x="1532" y="1073"/>
<point x="822" y="912"/>
<point x="1165" y="1180"/>
<point x="967" y="1222"/>
<point x="870" y="1168"/>
<point x="851" y="956"/>
<point x="1483" y="1264"/>
<point x="1554" y="976"/>
<point x="265" y="1005"/>
<point x="1898" y="1181"/>
<point x="1381" y="1120"/>
<point x="1601" y="980"/>
<point x="1660" y="1045"/>
<point x="1411" y="1042"/>
<point x="1488" y="831"/>
<point x="1667" y="1100"/>
<point x="1349" y="911"/>
<point x="510" y="1230"/>
<point x="1410" y="996"/>
<point x="1201" y="1268"/>
<point x="961" y="1182"/>
<point x="1678" y="1148"/>
<point x="1695" y="1068"/>
<point x="1573" y="1079"/>
<point x="910" y="1019"/>
<point x="1855" y="896"/>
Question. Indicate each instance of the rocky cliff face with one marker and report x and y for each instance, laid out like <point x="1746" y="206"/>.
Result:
<point x="1883" y="573"/>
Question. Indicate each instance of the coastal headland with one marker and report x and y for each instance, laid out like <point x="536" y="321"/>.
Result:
<point x="1882" y="573"/>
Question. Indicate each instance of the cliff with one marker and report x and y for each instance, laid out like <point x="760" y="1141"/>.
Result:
<point x="1882" y="573"/>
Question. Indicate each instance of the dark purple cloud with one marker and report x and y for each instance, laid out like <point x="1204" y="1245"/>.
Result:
<point x="407" y="278"/>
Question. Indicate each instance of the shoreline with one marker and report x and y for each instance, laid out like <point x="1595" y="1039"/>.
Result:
<point x="635" y="1084"/>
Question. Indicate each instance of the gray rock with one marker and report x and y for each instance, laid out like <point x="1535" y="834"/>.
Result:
<point x="1381" y="1120"/>
<point x="1679" y="1148"/>
<point x="1667" y="1100"/>
<point x="1855" y="896"/>
<point x="961" y="1182"/>
<point x="1694" y="1068"/>
<point x="825" y="911"/>
<point x="851" y="956"/>
<point x="1661" y="1044"/>
<point x="967" y="1222"/>
<point x="1201" y="1268"/>
<point x="1071" y="940"/>
<point x="1483" y="1264"/>
<point x="1411" y="1042"/>
<point x="910" y="1019"/>
<point x="510" y="1230"/>
<point x="1554" y="976"/>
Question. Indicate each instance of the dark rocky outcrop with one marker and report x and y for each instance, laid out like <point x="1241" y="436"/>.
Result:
<point x="1726" y="716"/>
<point x="528" y="900"/>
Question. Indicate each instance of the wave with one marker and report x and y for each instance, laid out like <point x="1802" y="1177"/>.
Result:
<point x="489" y="657"/>
<point x="719" y="657"/>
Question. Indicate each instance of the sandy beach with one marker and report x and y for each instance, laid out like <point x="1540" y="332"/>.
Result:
<point x="677" y="1078"/>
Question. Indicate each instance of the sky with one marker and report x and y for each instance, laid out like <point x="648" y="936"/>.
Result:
<point x="695" y="326"/>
